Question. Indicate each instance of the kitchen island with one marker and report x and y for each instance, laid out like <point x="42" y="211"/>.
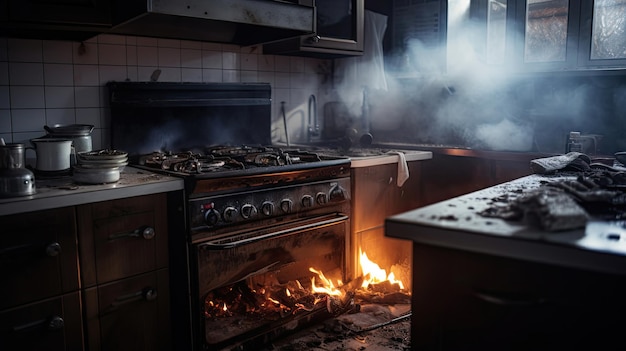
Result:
<point x="490" y="284"/>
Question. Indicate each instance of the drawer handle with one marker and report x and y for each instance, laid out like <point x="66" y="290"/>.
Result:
<point x="509" y="301"/>
<point x="53" y="323"/>
<point x="145" y="232"/>
<point x="51" y="250"/>
<point x="146" y="294"/>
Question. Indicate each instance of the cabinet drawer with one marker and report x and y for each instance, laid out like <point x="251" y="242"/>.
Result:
<point x="38" y="256"/>
<point x="465" y="300"/>
<point x="53" y="324"/>
<point x="130" y="314"/>
<point x="122" y="238"/>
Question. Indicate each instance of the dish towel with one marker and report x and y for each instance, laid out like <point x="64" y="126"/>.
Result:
<point x="403" y="168"/>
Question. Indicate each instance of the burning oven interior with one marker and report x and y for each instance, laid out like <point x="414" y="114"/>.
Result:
<point x="266" y="247"/>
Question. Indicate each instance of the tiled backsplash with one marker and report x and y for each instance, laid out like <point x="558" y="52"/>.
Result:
<point x="47" y="82"/>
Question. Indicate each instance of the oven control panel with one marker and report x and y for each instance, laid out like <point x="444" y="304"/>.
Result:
<point x="249" y="206"/>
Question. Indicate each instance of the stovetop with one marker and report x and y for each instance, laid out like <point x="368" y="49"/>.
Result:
<point x="223" y="161"/>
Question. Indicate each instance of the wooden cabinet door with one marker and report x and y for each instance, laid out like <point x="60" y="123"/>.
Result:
<point x="38" y="256"/>
<point x="53" y="324"/>
<point x="86" y="12"/>
<point x="376" y="195"/>
<point x="130" y="314"/>
<point x="123" y="237"/>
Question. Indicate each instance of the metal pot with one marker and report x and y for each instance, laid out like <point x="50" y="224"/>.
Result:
<point x="15" y="180"/>
<point x="79" y="134"/>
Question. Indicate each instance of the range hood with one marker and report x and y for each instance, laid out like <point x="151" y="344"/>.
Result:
<point x="241" y="22"/>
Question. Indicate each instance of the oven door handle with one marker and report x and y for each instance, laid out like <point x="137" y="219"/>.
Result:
<point x="223" y="244"/>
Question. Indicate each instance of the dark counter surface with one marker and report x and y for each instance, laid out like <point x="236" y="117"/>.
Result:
<point x="61" y="192"/>
<point x="456" y="224"/>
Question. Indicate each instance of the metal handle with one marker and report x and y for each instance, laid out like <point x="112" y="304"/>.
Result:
<point x="146" y="294"/>
<point x="53" y="323"/>
<point x="500" y="299"/>
<point x="218" y="245"/>
<point x="52" y="250"/>
<point x="145" y="232"/>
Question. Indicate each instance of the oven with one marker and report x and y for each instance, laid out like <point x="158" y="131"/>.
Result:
<point x="254" y="278"/>
<point x="264" y="244"/>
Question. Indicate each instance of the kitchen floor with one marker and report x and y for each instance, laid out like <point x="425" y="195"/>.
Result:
<point x="374" y="328"/>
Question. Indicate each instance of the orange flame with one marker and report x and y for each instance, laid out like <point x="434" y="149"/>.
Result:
<point x="374" y="274"/>
<point x="328" y="287"/>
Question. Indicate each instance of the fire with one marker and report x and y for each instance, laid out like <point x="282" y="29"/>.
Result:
<point x="328" y="287"/>
<point x="373" y="274"/>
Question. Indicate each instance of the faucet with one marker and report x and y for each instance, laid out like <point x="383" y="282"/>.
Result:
<point x="366" y="137"/>
<point x="314" y="128"/>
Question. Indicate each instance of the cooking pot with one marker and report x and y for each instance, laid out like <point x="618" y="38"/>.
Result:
<point x="15" y="180"/>
<point x="52" y="154"/>
<point x="79" y="134"/>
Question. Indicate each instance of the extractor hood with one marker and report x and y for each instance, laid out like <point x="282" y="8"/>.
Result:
<point x="241" y="22"/>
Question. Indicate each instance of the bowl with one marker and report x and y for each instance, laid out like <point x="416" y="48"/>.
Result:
<point x="96" y="175"/>
<point x="104" y="154"/>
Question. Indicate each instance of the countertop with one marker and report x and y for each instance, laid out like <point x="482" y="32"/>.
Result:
<point x="389" y="157"/>
<point x="456" y="224"/>
<point x="61" y="192"/>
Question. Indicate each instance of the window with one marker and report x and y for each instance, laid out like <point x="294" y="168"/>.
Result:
<point x="549" y="35"/>
<point x="608" y="31"/>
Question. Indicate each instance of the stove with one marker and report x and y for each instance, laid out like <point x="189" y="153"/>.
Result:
<point x="259" y="220"/>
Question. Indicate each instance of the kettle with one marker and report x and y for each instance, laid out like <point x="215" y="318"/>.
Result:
<point x="15" y="180"/>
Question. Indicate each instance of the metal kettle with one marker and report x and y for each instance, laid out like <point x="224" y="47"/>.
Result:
<point x="15" y="180"/>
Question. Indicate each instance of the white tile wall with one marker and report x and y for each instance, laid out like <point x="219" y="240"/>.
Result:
<point x="45" y="82"/>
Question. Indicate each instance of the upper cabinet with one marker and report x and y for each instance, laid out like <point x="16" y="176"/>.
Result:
<point x="338" y="32"/>
<point x="52" y="19"/>
<point x="240" y="22"/>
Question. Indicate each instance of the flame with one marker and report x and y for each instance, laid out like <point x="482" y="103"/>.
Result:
<point x="374" y="274"/>
<point x="287" y="292"/>
<point x="327" y="285"/>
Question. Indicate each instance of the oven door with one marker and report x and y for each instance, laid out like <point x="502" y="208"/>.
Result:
<point x="237" y="275"/>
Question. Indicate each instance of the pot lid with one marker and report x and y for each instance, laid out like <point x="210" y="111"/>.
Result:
<point x="70" y="129"/>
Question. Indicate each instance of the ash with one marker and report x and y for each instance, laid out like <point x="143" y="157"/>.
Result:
<point x="374" y="327"/>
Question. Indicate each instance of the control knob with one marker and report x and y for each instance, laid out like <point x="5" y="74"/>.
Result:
<point x="211" y="217"/>
<point x="248" y="211"/>
<point x="229" y="214"/>
<point x="267" y="208"/>
<point x="337" y="193"/>
<point x="307" y="201"/>
<point x="321" y="198"/>
<point x="286" y="205"/>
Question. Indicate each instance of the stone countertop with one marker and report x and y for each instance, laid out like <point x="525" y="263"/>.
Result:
<point x="456" y="224"/>
<point x="61" y="192"/>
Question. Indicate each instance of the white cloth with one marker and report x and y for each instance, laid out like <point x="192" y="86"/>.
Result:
<point x="403" y="168"/>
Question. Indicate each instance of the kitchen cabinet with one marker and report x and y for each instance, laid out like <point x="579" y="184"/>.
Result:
<point x="40" y="304"/>
<point x="76" y="19"/>
<point x="375" y="196"/>
<point x="447" y="176"/>
<point x="488" y="283"/>
<point x="124" y="271"/>
<point x="471" y="301"/>
<point x="338" y="32"/>
<point x="90" y="276"/>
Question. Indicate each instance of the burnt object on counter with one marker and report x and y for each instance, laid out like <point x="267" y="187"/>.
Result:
<point x="597" y="191"/>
